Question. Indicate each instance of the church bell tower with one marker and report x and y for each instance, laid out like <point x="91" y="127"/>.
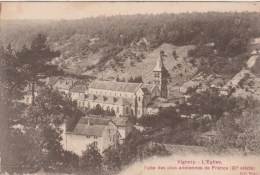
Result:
<point x="160" y="75"/>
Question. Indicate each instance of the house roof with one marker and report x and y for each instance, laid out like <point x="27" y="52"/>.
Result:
<point x="93" y="120"/>
<point x="64" y="83"/>
<point x="115" y="86"/>
<point x="177" y="94"/>
<point x="53" y="80"/>
<point x="78" y="88"/>
<point x="90" y="130"/>
<point x="120" y="121"/>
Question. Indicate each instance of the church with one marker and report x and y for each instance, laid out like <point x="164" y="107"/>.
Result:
<point x="125" y="98"/>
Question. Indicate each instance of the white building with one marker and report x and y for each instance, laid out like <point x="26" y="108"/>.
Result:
<point x="101" y="132"/>
<point x="126" y="99"/>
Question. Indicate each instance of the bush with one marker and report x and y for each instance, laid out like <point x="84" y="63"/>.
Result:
<point x="91" y="161"/>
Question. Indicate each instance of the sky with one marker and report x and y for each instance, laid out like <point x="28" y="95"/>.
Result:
<point x="77" y="10"/>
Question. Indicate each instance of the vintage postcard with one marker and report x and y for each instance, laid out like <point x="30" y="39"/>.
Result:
<point x="130" y="88"/>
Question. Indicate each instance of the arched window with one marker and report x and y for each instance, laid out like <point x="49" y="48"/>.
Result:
<point x="132" y="112"/>
<point x="126" y="110"/>
<point x="117" y="109"/>
<point x="112" y="111"/>
<point x="98" y="107"/>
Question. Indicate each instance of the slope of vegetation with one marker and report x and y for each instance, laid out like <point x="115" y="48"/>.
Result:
<point x="90" y="43"/>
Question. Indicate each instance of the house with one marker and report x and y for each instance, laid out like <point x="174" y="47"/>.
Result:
<point x="64" y="85"/>
<point x="101" y="132"/>
<point x="124" y="127"/>
<point x="78" y="92"/>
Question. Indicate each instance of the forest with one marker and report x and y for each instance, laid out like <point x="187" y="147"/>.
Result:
<point x="229" y="31"/>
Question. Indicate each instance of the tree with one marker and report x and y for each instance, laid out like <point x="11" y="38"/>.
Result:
<point x="11" y="85"/>
<point x="147" y="150"/>
<point x="42" y="124"/>
<point x="209" y="102"/>
<point x="236" y="46"/>
<point x="238" y="132"/>
<point x="111" y="161"/>
<point x="36" y="60"/>
<point x="91" y="161"/>
<point x="70" y="162"/>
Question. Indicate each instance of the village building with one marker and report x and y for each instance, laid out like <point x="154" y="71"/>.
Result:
<point x="78" y="92"/>
<point x="125" y="98"/>
<point x="101" y="132"/>
<point x="64" y="84"/>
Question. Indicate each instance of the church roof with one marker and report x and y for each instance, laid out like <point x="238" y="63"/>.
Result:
<point x="149" y="87"/>
<point x="91" y="97"/>
<point x="78" y="88"/>
<point x="101" y="99"/>
<point x="159" y="65"/>
<point x="115" y="86"/>
<point x="109" y="100"/>
<point x="145" y="91"/>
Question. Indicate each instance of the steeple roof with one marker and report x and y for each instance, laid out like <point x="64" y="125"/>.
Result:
<point x="159" y="65"/>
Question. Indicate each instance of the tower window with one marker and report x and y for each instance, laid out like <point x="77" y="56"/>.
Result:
<point x="126" y="110"/>
<point x="156" y="75"/>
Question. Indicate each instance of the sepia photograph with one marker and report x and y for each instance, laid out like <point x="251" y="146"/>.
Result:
<point x="129" y="88"/>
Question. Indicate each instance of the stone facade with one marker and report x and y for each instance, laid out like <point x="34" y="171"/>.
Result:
<point x="101" y="132"/>
<point x="161" y="75"/>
